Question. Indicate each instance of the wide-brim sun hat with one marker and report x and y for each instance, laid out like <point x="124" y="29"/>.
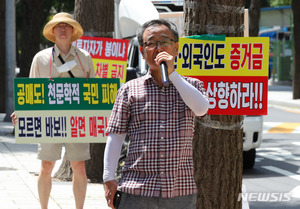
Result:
<point x="62" y="17"/>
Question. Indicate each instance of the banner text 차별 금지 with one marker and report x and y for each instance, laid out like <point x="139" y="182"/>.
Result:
<point x="109" y="56"/>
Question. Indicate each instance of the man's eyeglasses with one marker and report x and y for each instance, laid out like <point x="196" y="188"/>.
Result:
<point x="163" y="43"/>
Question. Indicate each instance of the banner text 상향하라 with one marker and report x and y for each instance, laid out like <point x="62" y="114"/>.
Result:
<point x="234" y="72"/>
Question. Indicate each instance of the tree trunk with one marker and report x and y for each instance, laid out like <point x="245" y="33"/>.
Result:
<point x="31" y="32"/>
<point x="218" y="162"/>
<point x="296" y="30"/>
<point x="64" y="172"/>
<point x="254" y="15"/>
<point x="2" y="55"/>
<point x="97" y="19"/>
<point x="217" y="150"/>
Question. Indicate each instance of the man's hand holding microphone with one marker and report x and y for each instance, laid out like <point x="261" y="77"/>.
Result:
<point x="163" y="58"/>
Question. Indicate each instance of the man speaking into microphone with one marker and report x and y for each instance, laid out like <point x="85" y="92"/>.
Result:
<point x="157" y="113"/>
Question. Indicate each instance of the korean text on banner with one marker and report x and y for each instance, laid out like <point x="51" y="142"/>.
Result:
<point x="66" y="110"/>
<point x="234" y="71"/>
<point x="109" y="56"/>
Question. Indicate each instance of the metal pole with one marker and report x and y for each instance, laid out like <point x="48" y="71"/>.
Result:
<point x="292" y="45"/>
<point x="10" y="55"/>
<point x="116" y="21"/>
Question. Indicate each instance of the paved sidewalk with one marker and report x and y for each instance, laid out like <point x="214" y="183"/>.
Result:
<point x="19" y="168"/>
<point x="282" y="96"/>
<point x="18" y="179"/>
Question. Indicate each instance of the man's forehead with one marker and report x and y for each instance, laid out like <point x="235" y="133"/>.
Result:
<point x="157" y="27"/>
<point x="157" y="31"/>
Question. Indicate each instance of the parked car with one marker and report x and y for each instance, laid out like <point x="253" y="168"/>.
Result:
<point x="252" y="125"/>
<point x="252" y="138"/>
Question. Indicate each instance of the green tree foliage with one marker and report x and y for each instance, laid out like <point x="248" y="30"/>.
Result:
<point x="264" y="3"/>
<point x="276" y="3"/>
<point x="54" y="6"/>
<point x="50" y="7"/>
<point x="270" y="3"/>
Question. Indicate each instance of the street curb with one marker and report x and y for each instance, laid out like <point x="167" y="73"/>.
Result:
<point x="6" y="128"/>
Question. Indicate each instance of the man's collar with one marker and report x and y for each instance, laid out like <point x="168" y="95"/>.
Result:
<point x="148" y="75"/>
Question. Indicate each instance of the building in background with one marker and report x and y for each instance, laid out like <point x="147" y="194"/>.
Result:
<point x="276" y="23"/>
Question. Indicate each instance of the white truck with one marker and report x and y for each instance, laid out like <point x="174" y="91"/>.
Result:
<point x="132" y="14"/>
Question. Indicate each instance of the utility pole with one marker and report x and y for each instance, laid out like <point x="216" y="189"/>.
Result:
<point x="117" y="33"/>
<point x="10" y="56"/>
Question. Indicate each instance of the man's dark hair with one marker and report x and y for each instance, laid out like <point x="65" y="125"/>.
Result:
<point x="140" y="31"/>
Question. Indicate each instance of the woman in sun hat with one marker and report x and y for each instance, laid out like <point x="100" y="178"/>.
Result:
<point x="62" y="17"/>
<point x="62" y="60"/>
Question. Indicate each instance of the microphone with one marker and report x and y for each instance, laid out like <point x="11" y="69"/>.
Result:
<point x="164" y="74"/>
